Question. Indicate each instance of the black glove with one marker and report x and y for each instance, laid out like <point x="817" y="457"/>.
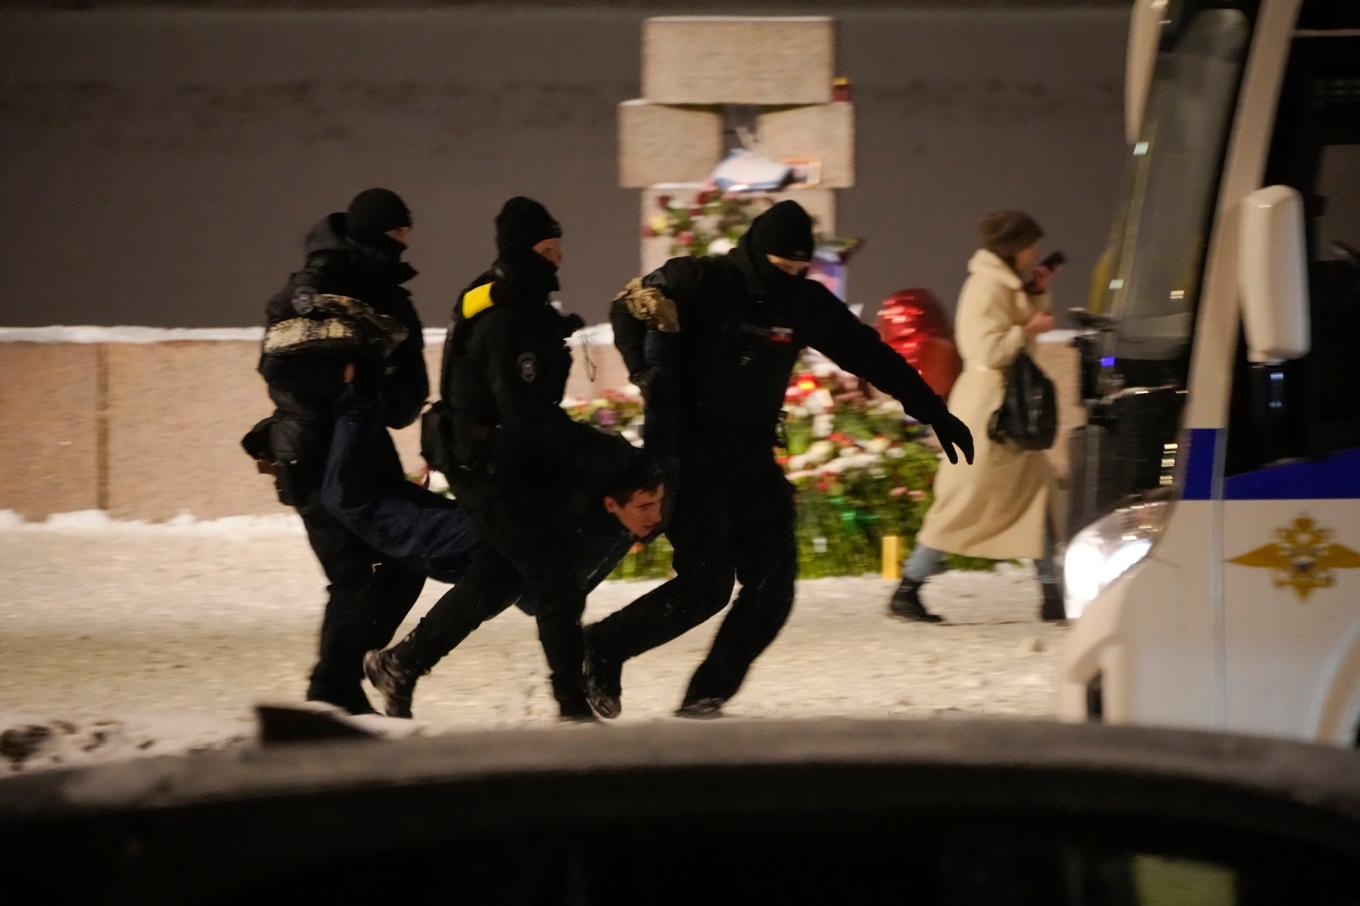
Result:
<point x="571" y="323"/>
<point x="954" y="433"/>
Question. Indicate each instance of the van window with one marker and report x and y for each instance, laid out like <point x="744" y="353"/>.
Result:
<point x="1311" y="407"/>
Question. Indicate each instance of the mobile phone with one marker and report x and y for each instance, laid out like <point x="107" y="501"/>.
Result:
<point x="1054" y="260"/>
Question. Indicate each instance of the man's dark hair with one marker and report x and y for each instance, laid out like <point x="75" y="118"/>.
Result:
<point x="643" y="473"/>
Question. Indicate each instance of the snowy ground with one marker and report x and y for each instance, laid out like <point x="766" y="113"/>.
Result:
<point x="124" y="640"/>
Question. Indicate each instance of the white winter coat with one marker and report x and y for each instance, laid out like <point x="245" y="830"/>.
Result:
<point x="996" y="507"/>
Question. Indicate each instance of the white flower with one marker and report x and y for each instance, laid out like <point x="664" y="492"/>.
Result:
<point x="720" y="246"/>
<point x="895" y="453"/>
<point x="819" y="452"/>
<point x="819" y="401"/>
<point x="822" y="425"/>
<point x="878" y="445"/>
<point x="848" y="452"/>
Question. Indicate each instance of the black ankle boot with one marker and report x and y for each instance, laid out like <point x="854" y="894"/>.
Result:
<point x="1053" y="609"/>
<point x="604" y="684"/>
<point x="701" y="709"/>
<point x="906" y="604"/>
<point x="394" y="677"/>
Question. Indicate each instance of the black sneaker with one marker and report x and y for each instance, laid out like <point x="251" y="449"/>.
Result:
<point x="395" y="683"/>
<point x="701" y="709"/>
<point x="604" y="685"/>
<point x="906" y="604"/>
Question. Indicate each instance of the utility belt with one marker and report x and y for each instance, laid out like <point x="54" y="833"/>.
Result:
<point x="453" y="440"/>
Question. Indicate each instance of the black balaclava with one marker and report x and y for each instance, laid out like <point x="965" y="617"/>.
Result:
<point x="374" y="212"/>
<point x="522" y="224"/>
<point x="785" y="230"/>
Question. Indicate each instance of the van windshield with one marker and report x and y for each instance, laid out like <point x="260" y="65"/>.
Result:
<point x="1172" y="181"/>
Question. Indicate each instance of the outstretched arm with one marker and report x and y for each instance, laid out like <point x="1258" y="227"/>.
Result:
<point x="856" y="347"/>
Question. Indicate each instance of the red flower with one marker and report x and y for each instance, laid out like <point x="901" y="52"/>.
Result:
<point x="649" y="233"/>
<point x="704" y="197"/>
<point x="663" y="201"/>
<point x="686" y="238"/>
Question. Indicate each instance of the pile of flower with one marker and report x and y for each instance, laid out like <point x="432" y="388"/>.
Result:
<point x="710" y="223"/>
<point x="858" y="466"/>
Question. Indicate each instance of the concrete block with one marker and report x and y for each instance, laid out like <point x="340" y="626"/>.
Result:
<point x="50" y="450"/>
<point x="825" y="132"/>
<point x="820" y="203"/>
<point x="176" y="414"/>
<point x="738" y="60"/>
<point x="659" y="143"/>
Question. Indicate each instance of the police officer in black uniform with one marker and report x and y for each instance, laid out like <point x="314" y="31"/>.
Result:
<point x="735" y="325"/>
<point x="508" y="450"/>
<point x="345" y="312"/>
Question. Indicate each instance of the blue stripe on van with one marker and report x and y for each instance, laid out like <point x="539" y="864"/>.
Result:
<point x="1199" y="469"/>
<point x="1336" y="477"/>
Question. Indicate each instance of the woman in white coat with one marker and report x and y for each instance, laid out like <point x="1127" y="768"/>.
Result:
<point x="998" y="508"/>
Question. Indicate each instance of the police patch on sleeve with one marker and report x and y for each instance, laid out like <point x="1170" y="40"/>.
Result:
<point x="528" y="367"/>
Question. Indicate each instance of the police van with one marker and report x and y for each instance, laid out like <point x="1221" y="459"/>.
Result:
<point x="1213" y="565"/>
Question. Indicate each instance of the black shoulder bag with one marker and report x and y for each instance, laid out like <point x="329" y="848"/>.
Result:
<point x="1028" y="415"/>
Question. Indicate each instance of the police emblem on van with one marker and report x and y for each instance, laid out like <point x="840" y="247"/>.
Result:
<point x="1303" y="557"/>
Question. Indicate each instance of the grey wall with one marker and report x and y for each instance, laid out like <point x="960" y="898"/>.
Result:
<point x="160" y="166"/>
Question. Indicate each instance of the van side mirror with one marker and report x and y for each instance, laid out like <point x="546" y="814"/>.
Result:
<point x="1272" y="273"/>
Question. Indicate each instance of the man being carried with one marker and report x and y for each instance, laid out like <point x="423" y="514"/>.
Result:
<point x="510" y="453"/>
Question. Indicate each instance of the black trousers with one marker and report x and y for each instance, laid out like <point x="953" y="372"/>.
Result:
<point x="368" y="597"/>
<point x="522" y="549"/>
<point x="734" y="519"/>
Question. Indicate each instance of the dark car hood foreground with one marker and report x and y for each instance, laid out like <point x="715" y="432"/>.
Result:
<point x="657" y="812"/>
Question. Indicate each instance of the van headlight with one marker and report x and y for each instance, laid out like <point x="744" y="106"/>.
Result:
<point x="1108" y="548"/>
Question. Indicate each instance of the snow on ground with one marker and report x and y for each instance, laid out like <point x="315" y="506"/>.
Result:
<point x="162" y="638"/>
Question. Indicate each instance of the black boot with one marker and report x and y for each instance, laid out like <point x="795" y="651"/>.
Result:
<point x="604" y="683"/>
<point x="701" y="709"/>
<point x="572" y="704"/>
<point x="576" y="710"/>
<point x="906" y="604"/>
<point x="394" y="676"/>
<point x="1053" y="609"/>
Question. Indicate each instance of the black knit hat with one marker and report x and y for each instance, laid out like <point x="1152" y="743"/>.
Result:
<point x="1004" y="233"/>
<point x="523" y="223"/>
<point x="374" y="212"/>
<point x="784" y="230"/>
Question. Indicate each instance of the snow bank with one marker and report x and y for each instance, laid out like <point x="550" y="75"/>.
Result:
<point x="87" y="521"/>
<point x="32" y="743"/>
<point x="595" y="335"/>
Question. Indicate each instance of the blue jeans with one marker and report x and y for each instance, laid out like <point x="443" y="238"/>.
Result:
<point x="926" y="561"/>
